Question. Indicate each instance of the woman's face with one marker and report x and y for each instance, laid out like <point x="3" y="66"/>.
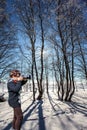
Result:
<point x="15" y="77"/>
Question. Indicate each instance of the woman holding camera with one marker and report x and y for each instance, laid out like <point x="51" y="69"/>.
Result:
<point x="14" y="86"/>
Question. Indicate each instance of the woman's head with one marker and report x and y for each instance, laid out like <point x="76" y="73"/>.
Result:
<point x="15" y="73"/>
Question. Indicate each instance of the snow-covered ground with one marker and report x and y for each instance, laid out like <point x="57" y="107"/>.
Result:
<point x="48" y="114"/>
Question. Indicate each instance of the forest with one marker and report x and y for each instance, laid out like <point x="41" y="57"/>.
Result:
<point x="47" y="39"/>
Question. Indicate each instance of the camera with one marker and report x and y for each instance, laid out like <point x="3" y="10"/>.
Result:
<point x="26" y="78"/>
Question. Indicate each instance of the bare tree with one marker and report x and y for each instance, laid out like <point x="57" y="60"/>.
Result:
<point x="7" y="40"/>
<point x="68" y="19"/>
<point x="59" y="21"/>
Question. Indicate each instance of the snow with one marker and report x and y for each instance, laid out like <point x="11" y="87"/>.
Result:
<point x="48" y="114"/>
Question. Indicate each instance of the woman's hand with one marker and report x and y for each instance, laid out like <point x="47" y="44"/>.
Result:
<point x="19" y="78"/>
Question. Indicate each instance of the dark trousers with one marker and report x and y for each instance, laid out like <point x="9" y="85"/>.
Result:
<point x="17" y="119"/>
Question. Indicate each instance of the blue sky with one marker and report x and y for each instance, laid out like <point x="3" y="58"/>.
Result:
<point x="22" y="38"/>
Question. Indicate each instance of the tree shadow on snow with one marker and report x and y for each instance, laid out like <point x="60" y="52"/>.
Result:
<point x="41" y="118"/>
<point x="78" y="107"/>
<point x="68" y="112"/>
<point x="25" y="117"/>
<point x="53" y="104"/>
<point x="27" y="113"/>
<point x="74" y="106"/>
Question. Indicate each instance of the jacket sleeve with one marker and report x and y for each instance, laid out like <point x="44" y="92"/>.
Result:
<point x="15" y="87"/>
<point x="24" y="81"/>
